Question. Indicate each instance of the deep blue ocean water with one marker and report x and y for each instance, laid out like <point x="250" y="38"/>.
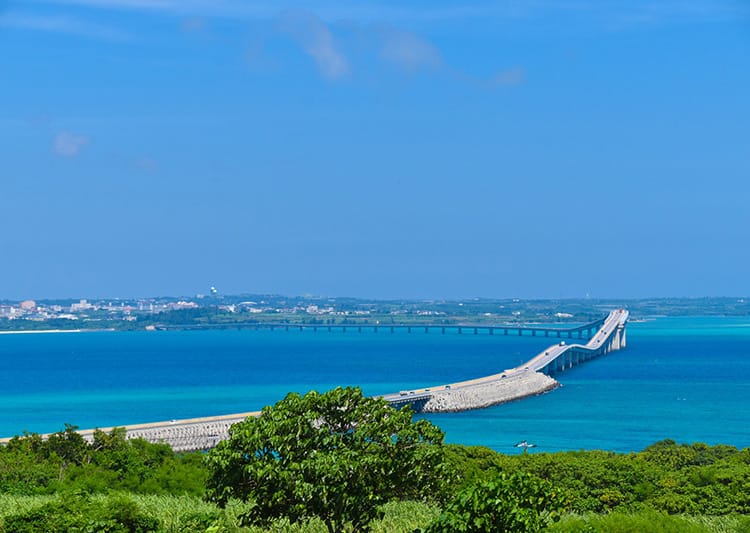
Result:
<point x="687" y="379"/>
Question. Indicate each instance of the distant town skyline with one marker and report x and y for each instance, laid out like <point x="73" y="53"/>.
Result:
<point x="375" y="150"/>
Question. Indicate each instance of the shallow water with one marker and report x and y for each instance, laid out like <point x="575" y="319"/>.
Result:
<point x="687" y="379"/>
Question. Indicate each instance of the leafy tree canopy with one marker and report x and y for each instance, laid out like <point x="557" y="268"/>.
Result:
<point x="336" y="456"/>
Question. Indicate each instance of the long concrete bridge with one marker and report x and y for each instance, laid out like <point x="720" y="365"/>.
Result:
<point x="534" y="330"/>
<point x="531" y="378"/>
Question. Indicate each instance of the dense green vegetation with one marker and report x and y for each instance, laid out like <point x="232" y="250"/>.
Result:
<point x="337" y="456"/>
<point x="667" y="477"/>
<point x="338" y="462"/>
<point x="66" y="463"/>
<point x="507" y="502"/>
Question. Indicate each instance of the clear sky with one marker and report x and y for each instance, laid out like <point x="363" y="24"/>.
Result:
<point x="440" y="149"/>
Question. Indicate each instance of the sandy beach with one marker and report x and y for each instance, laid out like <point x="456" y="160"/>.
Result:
<point x="23" y="332"/>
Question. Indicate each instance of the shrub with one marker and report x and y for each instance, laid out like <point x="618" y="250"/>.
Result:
<point x="513" y="503"/>
<point x="78" y="513"/>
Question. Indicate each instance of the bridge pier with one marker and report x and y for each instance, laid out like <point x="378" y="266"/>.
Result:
<point x="492" y="331"/>
<point x="620" y="337"/>
<point x="476" y="331"/>
<point x="611" y="332"/>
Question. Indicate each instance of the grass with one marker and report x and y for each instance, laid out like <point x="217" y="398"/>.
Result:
<point x="188" y="514"/>
<point x="650" y="522"/>
<point x="10" y="504"/>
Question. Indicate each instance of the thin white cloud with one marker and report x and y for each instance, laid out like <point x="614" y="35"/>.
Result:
<point x="145" y="164"/>
<point x="194" y="25"/>
<point x="508" y="77"/>
<point x="64" y="25"/>
<point x="317" y="41"/>
<point x="409" y="51"/>
<point x="68" y="144"/>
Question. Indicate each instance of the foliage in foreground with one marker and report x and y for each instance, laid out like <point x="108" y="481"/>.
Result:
<point x="649" y="522"/>
<point x="75" y="513"/>
<point x="694" y="479"/>
<point x="188" y="514"/>
<point x="68" y="463"/>
<point x="337" y="456"/>
<point x="127" y="512"/>
<point x="515" y="502"/>
<point x="330" y="462"/>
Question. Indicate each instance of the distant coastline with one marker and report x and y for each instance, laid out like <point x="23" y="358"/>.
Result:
<point x="218" y="311"/>
<point x="27" y="331"/>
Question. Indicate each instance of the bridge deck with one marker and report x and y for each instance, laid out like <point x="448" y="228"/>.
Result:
<point x="203" y="433"/>
<point x="519" y="377"/>
<point x="505" y="329"/>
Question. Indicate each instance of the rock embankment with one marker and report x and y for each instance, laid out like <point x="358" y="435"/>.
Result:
<point x="481" y="393"/>
<point x="186" y="437"/>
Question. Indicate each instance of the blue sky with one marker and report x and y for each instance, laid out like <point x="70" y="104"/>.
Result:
<point x="376" y="149"/>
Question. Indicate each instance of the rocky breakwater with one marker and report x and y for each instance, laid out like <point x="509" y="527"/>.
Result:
<point x="186" y="435"/>
<point x="487" y="391"/>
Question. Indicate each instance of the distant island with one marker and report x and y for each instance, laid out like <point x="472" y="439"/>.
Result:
<point x="248" y="310"/>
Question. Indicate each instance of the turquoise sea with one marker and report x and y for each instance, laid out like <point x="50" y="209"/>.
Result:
<point x="687" y="379"/>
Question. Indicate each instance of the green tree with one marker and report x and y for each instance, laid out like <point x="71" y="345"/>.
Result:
<point x="336" y="456"/>
<point x="509" y="503"/>
<point x="69" y="446"/>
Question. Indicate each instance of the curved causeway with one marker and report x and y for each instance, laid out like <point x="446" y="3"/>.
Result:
<point x="529" y="379"/>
